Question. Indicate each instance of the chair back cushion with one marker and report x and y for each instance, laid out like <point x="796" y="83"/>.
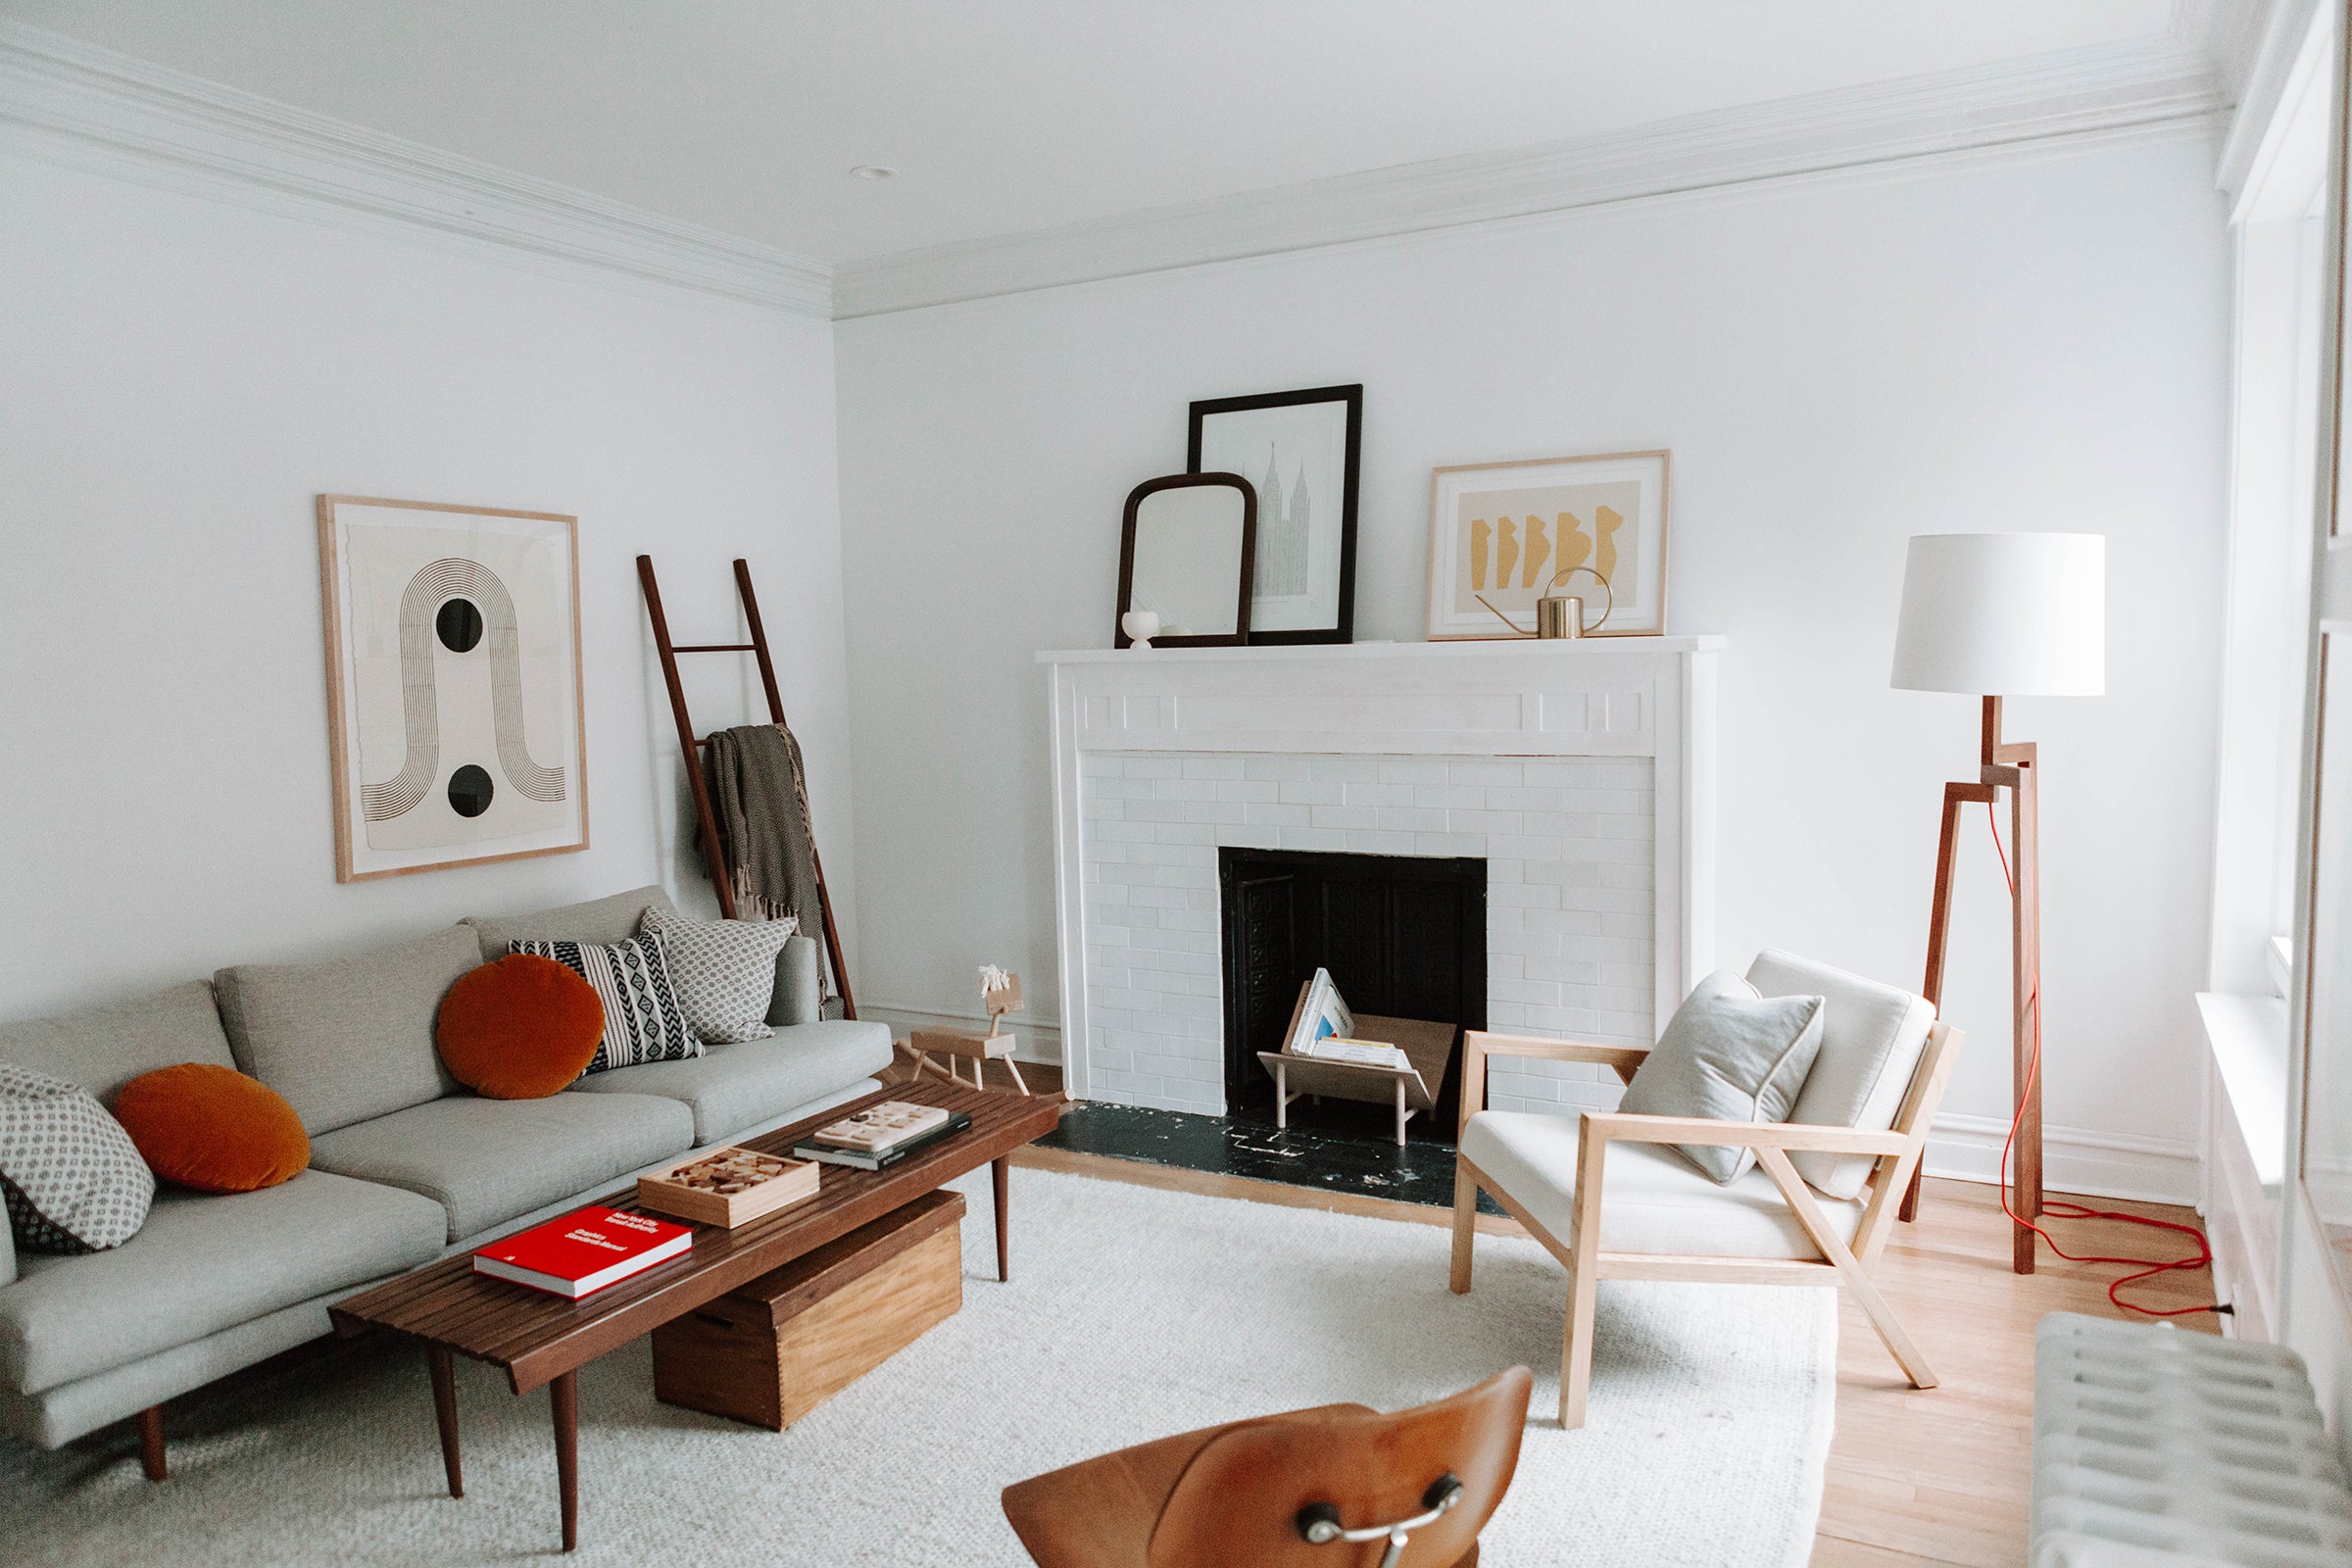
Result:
<point x="1871" y="1039"/>
<point x="1730" y="1053"/>
<point x="1238" y="1500"/>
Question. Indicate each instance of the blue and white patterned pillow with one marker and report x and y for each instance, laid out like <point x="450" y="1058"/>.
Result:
<point x="643" y="1019"/>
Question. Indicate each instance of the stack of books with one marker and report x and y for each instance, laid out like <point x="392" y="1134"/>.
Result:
<point x="881" y="1135"/>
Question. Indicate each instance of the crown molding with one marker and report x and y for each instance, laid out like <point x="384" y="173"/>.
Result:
<point x="2046" y="100"/>
<point x="144" y="117"/>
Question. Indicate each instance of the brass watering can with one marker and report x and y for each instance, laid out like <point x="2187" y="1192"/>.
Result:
<point x="1560" y="615"/>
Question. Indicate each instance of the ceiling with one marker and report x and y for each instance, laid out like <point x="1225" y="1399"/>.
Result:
<point x="746" y="116"/>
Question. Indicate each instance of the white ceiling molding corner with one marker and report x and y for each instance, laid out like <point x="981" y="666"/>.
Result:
<point x="106" y="100"/>
<point x="2043" y="102"/>
<point x="2272" y="60"/>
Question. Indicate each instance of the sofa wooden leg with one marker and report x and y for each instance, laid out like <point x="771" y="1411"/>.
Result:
<point x="151" y="1443"/>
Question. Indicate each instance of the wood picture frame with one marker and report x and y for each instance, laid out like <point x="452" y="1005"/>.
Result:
<point x="1312" y="439"/>
<point x="1240" y="561"/>
<point x="1555" y="500"/>
<point x="419" y="596"/>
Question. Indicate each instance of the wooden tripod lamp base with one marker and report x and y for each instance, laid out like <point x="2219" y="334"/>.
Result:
<point x="2024" y="615"/>
<point x="2002" y="765"/>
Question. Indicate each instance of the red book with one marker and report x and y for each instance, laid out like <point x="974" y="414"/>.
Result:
<point x="585" y="1251"/>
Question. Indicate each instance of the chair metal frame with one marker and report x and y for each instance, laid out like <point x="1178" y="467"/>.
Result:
<point x="1898" y="1152"/>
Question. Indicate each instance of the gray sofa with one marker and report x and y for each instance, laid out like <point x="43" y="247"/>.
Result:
<point x="406" y="1165"/>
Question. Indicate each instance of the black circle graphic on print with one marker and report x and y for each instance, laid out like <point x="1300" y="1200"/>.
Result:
<point x="459" y="625"/>
<point x="469" y="791"/>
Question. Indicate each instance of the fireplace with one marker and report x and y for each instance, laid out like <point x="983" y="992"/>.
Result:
<point x="1404" y="936"/>
<point x="1580" y="773"/>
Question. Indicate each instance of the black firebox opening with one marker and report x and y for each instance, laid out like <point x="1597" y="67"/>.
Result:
<point x="1404" y="936"/>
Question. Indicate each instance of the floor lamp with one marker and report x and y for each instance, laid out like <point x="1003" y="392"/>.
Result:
<point x="1995" y="615"/>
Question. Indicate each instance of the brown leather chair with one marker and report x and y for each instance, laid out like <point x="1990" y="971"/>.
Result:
<point x="1338" y="1487"/>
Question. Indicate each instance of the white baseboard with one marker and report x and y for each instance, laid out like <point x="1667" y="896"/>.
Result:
<point x="2074" y="1160"/>
<point x="1037" y="1039"/>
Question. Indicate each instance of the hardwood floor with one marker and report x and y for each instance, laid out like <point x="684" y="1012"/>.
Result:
<point x="1915" y="1477"/>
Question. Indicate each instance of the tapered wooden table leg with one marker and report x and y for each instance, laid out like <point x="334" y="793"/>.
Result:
<point x="151" y="1443"/>
<point x="563" y="1397"/>
<point x="1000" y="1171"/>
<point x="445" y="1416"/>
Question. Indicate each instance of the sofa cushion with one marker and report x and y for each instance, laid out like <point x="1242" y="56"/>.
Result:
<point x="730" y="1088"/>
<point x="72" y="1178"/>
<point x="213" y="1129"/>
<point x="608" y="919"/>
<point x="519" y="1028"/>
<point x="725" y="972"/>
<point x="348" y="1039"/>
<point x="102" y="1049"/>
<point x="1871" y="1036"/>
<point x="204" y="1263"/>
<point x="487" y="1160"/>
<point x="1652" y="1198"/>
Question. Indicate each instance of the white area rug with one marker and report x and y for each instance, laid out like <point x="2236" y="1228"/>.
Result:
<point x="1131" y="1314"/>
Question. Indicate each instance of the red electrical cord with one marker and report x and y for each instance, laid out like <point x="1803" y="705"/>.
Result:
<point x="2148" y="1267"/>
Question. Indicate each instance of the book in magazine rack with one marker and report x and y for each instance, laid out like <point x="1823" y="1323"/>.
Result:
<point x="1411" y="1089"/>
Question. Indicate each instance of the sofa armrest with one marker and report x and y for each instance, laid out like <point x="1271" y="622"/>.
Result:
<point x="798" y="989"/>
<point x="1478" y="1046"/>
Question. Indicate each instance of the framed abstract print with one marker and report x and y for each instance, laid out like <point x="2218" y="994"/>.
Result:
<point x="452" y="684"/>
<point x="1501" y="532"/>
<point x="1301" y="451"/>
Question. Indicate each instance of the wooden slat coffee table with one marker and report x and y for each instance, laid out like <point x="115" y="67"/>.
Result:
<point x="541" y="1338"/>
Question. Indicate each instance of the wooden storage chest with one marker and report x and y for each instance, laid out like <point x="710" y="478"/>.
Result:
<point x="769" y="1351"/>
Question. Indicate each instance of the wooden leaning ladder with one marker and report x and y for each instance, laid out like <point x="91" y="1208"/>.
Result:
<point x="714" y="854"/>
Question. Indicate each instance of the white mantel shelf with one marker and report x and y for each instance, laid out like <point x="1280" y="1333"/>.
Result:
<point x="1582" y="771"/>
<point x="1506" y="647"/>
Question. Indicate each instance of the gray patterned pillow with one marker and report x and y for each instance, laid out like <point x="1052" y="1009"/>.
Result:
<point x="72" y="1178"/>
<point x="643" y="1020"/>
<point x="725" y="969"/>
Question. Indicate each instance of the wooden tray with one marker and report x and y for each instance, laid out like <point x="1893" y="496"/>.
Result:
<point x="663" y="1192"/>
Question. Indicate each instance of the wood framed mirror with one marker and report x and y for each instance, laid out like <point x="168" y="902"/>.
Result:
<point x="1186" y="553"/>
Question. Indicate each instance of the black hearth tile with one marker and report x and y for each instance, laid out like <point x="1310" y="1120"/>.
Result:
<point x="1420" y="1172"/>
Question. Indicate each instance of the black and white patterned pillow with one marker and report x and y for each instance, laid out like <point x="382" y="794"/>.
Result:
<point x="643" y="1020"/>
<point x="72" y="1178"/>
<point x="725" y="969"/>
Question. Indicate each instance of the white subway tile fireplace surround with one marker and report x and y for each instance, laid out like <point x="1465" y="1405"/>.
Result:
<point x="1583" y="772"/>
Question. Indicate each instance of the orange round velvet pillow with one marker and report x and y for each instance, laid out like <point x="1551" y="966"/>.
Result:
<point x="521" y="1028"/>
<point x="213" y="1128"/>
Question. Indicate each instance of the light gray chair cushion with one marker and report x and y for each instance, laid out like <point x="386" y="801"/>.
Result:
<point x="487" y="1160"/>
<point x="351" y="1038"/>
<point x="1728" y="1055"/>
<point x="730" y="1088"/>
<point x="1871" y="1036"/>
<point x="599" y="920"/>
<point x="1652" y="1198"/>
<point x="203" y="1264"/>
<point x="102" y="1049"/>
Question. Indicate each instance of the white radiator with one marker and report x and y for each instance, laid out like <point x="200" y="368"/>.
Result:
<point x="2159" y="1448"/>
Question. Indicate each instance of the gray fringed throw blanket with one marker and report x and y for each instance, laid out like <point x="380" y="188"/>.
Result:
<point x="760" y="797"/>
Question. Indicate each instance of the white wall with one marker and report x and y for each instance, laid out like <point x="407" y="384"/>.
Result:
<point x="2035" y="342"/>
<point x="183" y="376"/>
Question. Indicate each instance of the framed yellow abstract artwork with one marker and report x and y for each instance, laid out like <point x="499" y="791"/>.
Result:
<point x="1502" y="534"/>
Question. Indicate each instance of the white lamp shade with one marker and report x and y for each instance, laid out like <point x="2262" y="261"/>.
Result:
<point x="2004" y="614"/>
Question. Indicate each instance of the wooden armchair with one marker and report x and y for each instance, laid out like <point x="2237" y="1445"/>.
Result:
<point x="1607" y="1196"/>
<point x="1325" y="1488"/>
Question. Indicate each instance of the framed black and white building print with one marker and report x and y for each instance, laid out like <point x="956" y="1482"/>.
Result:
<point x="1301" y="451"/>
<point x="452" y="684"/>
